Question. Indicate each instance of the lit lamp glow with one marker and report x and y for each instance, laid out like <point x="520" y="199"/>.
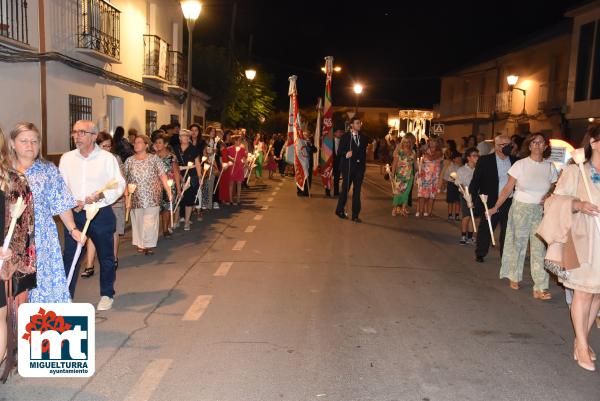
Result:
<point x="250" y="74"/>
<point x="512" y="80"/>
<point x="191" y="9"/>
<point x="357" y="88"/>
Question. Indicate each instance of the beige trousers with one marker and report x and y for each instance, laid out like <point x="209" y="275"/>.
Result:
<point x="144" y="226"/>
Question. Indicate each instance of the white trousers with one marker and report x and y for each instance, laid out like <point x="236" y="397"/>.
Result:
<point x="144" y="226"/>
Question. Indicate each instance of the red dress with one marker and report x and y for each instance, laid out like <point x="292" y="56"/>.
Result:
<point x="226" y="177"/>
<point x="236" y="171"/>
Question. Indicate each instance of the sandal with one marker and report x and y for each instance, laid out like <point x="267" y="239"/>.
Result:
<point x="542" y="295"/>
<point x="140" y="250"/>
<point x="515" y="285"/>
<point x="88" y="272"/>
<point x="149" y="251"/>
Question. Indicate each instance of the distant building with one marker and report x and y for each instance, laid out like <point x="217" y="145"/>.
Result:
<point x="477" y="98"/>
<point x="116" y="63"/>
<point x="377" y="121"/>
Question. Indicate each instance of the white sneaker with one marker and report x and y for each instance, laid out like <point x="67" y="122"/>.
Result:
<point x="105" y="303"/>
<point x="215" y="205"/>
<point x="417" y="214"/>
<point x="425" y="214"/>
<point x="181" y="220"/>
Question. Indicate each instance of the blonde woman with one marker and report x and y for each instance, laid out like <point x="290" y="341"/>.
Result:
<point x="18" y="271"/>
<point x="147" y="172"/>
<point x="51" y="197"/>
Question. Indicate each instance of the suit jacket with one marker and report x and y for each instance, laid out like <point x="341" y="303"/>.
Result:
<point x="485" y="179"/>
<point x="358" y="161"/>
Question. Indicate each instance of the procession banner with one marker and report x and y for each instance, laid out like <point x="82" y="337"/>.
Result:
<point x="299" y="142"/>
<point x="317" y="138"/>
<point x="326" y="151"/>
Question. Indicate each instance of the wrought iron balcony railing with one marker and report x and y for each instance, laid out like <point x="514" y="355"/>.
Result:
<point x="177" y="70"/>
<point x="13" y="20"/>
<point x="472" y="105"/>
<point x="504" y="102"/>
<point x="99" y="25"/>
<point x="552" y="95"/>
<point x="156" y="58"/>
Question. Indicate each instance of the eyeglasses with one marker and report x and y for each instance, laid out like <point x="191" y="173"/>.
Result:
<point x="503" y="144"/>
<point x="80" y="132"/>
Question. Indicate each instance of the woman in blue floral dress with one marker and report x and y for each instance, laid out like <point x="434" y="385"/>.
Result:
<point x="51" y="197"/>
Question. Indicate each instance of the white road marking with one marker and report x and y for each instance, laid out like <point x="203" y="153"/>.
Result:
<point x="265" y="208"/>
<point x="223" y="269"/>
<point x="258" y="217"/>
<point x="197" y="309"/>
<point x="150" y="380"/>
<point x="277" y="188"/>
<point x="270" y="199"/>
<point x="273" y="193"/>
<point x="368" y="330"/>
<point x="239" y="246"/>
<point x="250" y="229"/>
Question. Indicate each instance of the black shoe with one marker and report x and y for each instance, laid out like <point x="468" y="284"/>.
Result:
<point x="328" y="193"/>
<point x="88" y="272"/>
<point x="356" y="220"/>
<point x="341" y="215"/>
<point x="479" y="259"/>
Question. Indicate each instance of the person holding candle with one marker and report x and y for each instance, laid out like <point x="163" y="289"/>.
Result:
<point x="569" y="228"/>
<point x="105" y="141"/>
<point x="237" y="155"/>
<point x="225" y="178"/>
<point x="148" y="173"/>
<point x="187" y="156"/>
<point x="19" y="259"/>
<point x="403" y="172"/>
<point x="171" y="168"/>
<point x="531" y="179"/>
<point x="428" y="177"/>
<point x="51" y="197"/>
<point x="87" y="170"/>
<point x="464" y="175"/>
<point x="489" y="178"/>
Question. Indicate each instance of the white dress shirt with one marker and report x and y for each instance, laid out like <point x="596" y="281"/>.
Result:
<point x="86" y="175"/>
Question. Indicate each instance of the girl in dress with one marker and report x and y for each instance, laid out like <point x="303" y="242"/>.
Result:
<point x="271" y="162"/>
<point x="259" y="150"/>
<point x="237" y="154"/>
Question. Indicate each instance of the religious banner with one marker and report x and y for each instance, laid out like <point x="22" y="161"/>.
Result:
<point x="326" y="153"/>
<point x="317" y="138"/>
<point x="300" y="155"/>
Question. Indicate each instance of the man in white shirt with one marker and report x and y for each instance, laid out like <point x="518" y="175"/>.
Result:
<point x="86" y="170"/>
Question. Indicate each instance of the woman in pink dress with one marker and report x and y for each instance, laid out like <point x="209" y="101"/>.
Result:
<point x="237" y="154"/>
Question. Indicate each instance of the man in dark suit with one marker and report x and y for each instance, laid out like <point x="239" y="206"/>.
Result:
<point x="337" y="157"/>
<point x="353" y="150"/>
<point x="489" y="177"/>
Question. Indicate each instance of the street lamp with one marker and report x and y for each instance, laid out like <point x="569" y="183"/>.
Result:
<point x="250" y="74"/>
<point x="191" y="11"/>
<point x="512" y="81"/>
<point x="358" y="88"/>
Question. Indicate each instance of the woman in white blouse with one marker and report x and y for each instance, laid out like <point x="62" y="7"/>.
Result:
<point x="531" y="179"/>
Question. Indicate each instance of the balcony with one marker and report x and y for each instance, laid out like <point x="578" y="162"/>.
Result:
<point x="177" y="72"/>
<point x="467" y="108"/>
<point x="99" y="30"/>
<point x="156" y="59"/>
<point x="552" y="96"/>
<point x="504" y="102"/>
<point x="13" y="21"/>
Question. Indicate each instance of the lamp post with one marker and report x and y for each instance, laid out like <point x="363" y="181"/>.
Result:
<point x="358" y="88"/>
<point x="191" y="11"/>
<point x="512" y="81"/>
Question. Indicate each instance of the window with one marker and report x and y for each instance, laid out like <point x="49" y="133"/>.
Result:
<point x="151" y="118"/>
<point x="587" y="80"/>
<point x="13" y="20"/>
<point x="99" y="27"/>
<point x="80" y="108"/>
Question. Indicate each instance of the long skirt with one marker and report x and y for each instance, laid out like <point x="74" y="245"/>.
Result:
<point x="224" y="187"/>
<point x="207" y="190"/>
<point x="523" y="221"/>
<point x="259" y="164"/>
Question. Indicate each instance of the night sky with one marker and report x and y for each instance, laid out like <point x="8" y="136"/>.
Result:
<point x="396" y="49"/>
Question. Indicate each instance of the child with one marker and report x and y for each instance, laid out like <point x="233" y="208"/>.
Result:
<point x="452" y="194"/>
<point x="271" y="162"/>
<point x="465" y="174"/>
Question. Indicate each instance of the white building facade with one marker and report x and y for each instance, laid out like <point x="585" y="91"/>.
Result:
<point x="117" y="63"/>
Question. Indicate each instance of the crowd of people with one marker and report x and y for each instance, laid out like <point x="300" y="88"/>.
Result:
<point x="158" y="182"/>
<point x="544" y="214"/>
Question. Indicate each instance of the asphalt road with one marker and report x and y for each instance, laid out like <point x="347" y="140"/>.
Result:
<point x="281" y="300"/>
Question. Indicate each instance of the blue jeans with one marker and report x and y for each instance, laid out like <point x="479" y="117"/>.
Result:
<point x="101" y="232"/>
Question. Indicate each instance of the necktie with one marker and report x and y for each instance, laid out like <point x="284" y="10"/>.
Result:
<point x="355" y="137"/>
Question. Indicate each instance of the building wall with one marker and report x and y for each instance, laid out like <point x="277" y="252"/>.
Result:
<point x="22" y="80"/>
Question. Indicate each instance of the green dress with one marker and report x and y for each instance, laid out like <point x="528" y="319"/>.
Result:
<point x="403" y="177"/>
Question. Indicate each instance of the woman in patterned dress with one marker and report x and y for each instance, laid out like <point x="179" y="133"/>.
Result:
<point x="403" y="168"/>
<point x="213" y="170"/>
<point x="428" y="179"/>
<point x="147" y="172"/>
<point x="172" y="170"/>
<point x="51" y="197"/>
<point x="18" y="267"/>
